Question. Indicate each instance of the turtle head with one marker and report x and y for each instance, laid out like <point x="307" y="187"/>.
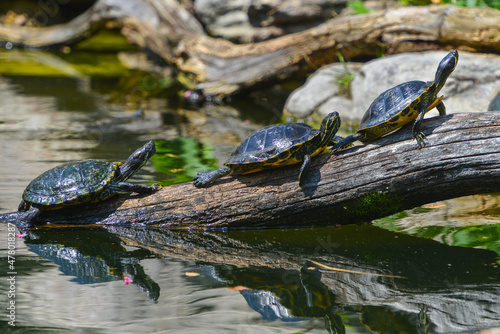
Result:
<point x="446" y="66"/>
<point x="137" y="160"/>
<point x="329" y="127"/>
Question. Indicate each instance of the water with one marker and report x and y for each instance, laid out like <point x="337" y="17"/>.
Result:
<point x="431" y="269"/>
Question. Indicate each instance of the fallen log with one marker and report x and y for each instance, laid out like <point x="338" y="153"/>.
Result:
<point x="221" y="67"/>
<point x="462" y="157"/>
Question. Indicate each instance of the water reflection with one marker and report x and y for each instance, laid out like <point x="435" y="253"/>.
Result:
<point x="93" y="257"/>
<point x="390" y="283"/>
<point x="471" y="221"/>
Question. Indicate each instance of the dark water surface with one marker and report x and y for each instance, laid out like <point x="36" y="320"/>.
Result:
<point x="431" y="269"/>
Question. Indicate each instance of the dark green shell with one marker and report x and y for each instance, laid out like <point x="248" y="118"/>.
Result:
<point x="71" y="183"/>
<point x="394" y="108"/>
<point x="392" y="103"/>
<point x="267" y="144"/>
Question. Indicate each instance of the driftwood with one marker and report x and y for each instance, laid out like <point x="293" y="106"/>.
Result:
<point x="221" y="67"/>
<point x="462" y="157"/>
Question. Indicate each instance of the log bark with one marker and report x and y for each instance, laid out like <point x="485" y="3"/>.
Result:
<point x="221" y="67"/>
<point x="462" y="157"/>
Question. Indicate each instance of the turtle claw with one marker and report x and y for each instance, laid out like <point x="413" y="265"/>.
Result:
<point x="202" y="179"/>
<point x="197" y="182"/>
<point x="420" y="137"/>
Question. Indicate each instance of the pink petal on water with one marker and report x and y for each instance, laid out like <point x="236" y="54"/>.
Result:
<point x="127" y="280"/>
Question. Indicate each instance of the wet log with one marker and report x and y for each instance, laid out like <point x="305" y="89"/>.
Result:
<point x="462" y="157"/>
<point x="221" y="67"/>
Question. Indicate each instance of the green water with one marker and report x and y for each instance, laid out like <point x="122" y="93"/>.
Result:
<point x="427" y="270"/>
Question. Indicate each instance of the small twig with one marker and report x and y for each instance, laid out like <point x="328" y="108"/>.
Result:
<point x="355" y="271"/>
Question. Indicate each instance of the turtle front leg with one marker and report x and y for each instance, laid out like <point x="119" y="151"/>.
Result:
<point x="417" y="133"/>
<point x="304" y="168"/>
<point x="125" y="187"/>
<point x="205" y="178"/>
<point x="28" y="218"/>
<point x="441" y="108"/>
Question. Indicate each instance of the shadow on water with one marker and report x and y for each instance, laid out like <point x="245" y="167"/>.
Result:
<point x="388" y="282"/>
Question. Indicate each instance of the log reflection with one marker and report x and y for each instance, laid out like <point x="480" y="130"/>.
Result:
<point x="395" y="282"/>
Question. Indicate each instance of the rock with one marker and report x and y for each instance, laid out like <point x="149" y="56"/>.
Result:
<point x="471" y="87"/>
<point x="322" y="91"/>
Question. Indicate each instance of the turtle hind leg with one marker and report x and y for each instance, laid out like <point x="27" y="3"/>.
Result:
<point x="205" y="178"/>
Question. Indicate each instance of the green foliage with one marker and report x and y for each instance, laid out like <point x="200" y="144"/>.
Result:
<point x="381" y="51"/>
<point x="463" y="3"/>
<point x="358" y="7"/>
<point x="345" y="77"/>
<point x="479" y="236"/>
<point x="181" y="159"/>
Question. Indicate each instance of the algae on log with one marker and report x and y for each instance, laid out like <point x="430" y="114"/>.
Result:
<point x="221" y="67"/>
<point x="462" y="157"/>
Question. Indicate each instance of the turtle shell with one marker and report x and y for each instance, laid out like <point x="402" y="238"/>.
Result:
<point x="391" y="106"/>
<point x="71" y="183"/>
<point x="273" y="145"/>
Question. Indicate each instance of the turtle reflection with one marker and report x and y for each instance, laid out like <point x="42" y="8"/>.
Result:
<point x="389" y="282"/>
<point x="93" y="257"/>
<point x="285" y="295"/>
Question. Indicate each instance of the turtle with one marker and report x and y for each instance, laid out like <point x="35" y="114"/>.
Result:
<point x="87" y="181"/>
<point x="402" y="104"/>
<point x="277" y="145"/>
